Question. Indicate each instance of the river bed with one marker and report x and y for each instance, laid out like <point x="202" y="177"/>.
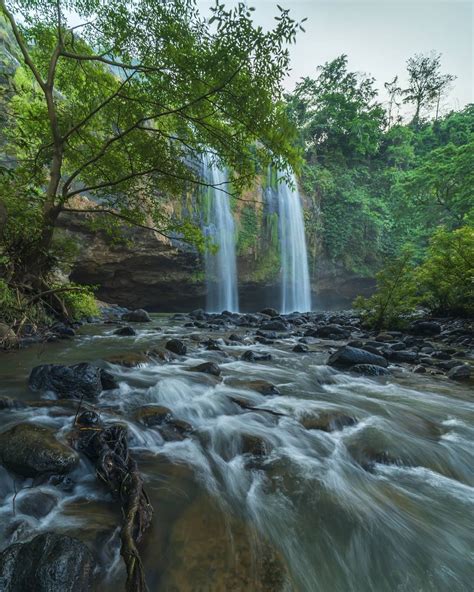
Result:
<point x="385" y="504"/>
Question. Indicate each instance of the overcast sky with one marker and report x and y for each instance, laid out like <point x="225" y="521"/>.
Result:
<point x="379" y="36"/>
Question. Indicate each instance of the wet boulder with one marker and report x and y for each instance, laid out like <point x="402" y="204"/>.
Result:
<point x="125" y="331"/>
<point x="274" y="325"/>
<point x="271" y="312"/>
<point x="331" y="331"/>
<point x="408" y="357"/>
<point x="153" y="415"/>
<point x="350" y="356"/>
<point x="129" y="359"/>
<point x="30" y="450"/>
<point x="327" y="421"/>
<point x="255" y="445"/>
<point x="235" y="337"/>
<point x="461" y="372"/>
<point x="300" y="348"/>
<point x="108" y="380"/>
<point x="67" y="382"/>
<point x="175" y="430"/>
<point x="263" y="387"/>
<point x="49" y="563"/>
<point x="36" y="503"/>
<point x="425" y="328"/>
<point x="137" y="316"/>
<point x="177" y="347"/>
<point x="369" y="370"/>
<point x="251" y="356"/>
<point x="207" y="368"/>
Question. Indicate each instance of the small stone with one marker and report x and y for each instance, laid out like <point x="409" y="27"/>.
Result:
<point x="36" y="503"/>
<point x="251" y="356"/>
<point x="419" y="369"/>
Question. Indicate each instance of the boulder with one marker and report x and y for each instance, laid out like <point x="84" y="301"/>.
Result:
<point x="129" y="360"/>
<point x="369" y="370"/>
<point x="274" y="325"/>
<point x="125" y="331"/>
<point x="30" y="450"/>
<point x="175" y="430"/>
<point x="137" y="316"/>
<point x="48" y="563"/>
<point x="177" y="347"/>
<point x="153" y="415"/>
<point x="331" y="331"/>
<point x="419" y="369"/>
<point x="207" y="368"/>
<point x="271" y="312"/>
<point x="327" y="421"/>
<point x="263" y="387"/>
<point x="254" y="445"/>
<point x="349" y="356"/>
<point x="68" y="382"/>
<point x="36" y="503"/>
<point x="428" y="328"/>
<point x="408" y="357"/>
<point x="300" y="348"/>
<point x="108" y="380"/>
<point x="461" y="372"/>
<point x="235" y="337"/>
<point x="251" y="356"/>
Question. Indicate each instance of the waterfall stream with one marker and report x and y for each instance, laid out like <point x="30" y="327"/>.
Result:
<point x="295" y="285"/>
<point x="221" y="266"/>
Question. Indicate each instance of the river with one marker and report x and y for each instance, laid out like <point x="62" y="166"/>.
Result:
<point x="385" y="504"/>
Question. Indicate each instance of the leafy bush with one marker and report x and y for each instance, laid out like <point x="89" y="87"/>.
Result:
<point x="395" y="297"/>
<point x="446" y="277"/>
<point x="80" y="302"/>
<point x="443" y="282"/>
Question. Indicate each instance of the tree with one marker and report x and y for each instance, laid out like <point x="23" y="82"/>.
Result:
<point x="337" y="113"/>
<point x="116" y="98"/>
<point x="394" y="92"/>
<point x="426" y="83"/>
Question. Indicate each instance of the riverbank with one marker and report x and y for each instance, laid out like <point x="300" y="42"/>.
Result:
<point x="266" y="444"/>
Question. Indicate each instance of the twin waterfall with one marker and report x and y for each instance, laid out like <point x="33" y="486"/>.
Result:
<point x="220" y="260"/>
<point x="221" y="264"/>
<point x="295" y="286"/>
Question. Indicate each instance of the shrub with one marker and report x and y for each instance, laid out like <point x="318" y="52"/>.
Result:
<point x="80" y="302"/>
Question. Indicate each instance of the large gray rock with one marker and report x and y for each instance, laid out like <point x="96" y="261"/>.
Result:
<point x="30" y="450"/>
<point x="461" y="372"/>
<point x="349" y="356"/>
<point x="48" y="563"/>
<point x="137" y="316"/>
<point x="69" y="382"/>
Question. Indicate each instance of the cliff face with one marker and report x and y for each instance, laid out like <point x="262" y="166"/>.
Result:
<point x="147" y="270"/>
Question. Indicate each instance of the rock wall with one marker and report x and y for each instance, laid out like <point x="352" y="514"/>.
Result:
<point x="146" y="270"/>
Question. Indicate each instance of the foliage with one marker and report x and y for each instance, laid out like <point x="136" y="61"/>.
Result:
<point x="426" y="83"/>
<point x="443" y="282"/>
<point x="80" y="302"/>
<point x="118" y="105"/>
<point x="396" y="295"/>
<point x="446" y="277"/>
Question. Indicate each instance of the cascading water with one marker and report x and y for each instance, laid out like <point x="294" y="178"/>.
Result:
<point x="295" y="285"/>
<point x="221" y="266"/>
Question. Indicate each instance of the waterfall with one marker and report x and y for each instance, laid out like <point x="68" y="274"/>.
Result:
<point x="221" y="266"/>
<point x="295" y="285"/>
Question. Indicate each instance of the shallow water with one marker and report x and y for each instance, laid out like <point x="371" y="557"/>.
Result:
<point x="384" y="505"/>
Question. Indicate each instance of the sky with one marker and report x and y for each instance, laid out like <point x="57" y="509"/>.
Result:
<point x="379" y="36"/>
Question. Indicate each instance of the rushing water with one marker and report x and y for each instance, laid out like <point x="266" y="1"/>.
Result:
<point x="295" y="285"/>
<point x="341" y="524"/>
<point x="221" y="266"/>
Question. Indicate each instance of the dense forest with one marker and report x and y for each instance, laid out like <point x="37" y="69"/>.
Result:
<point x="384" y="182"/>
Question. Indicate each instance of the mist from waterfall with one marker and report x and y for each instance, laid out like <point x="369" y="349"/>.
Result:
<point x="221" y="266"/>
<point x="295" y="284"/>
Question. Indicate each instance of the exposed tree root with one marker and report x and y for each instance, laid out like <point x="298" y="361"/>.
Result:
<point x="107" y="447"/>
